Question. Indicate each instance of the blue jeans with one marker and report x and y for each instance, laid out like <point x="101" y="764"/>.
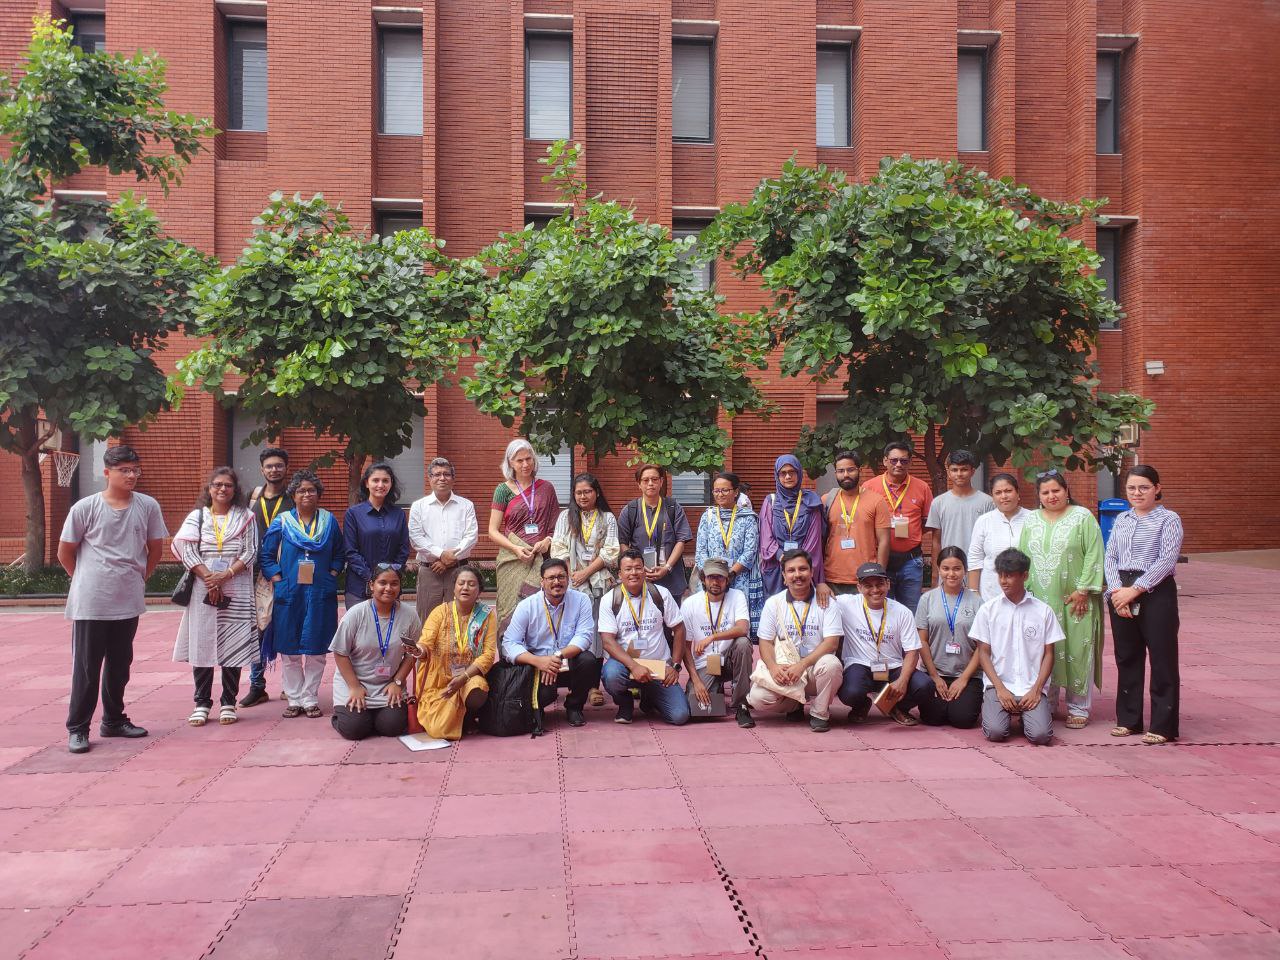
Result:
<point x="906" y="577"/>
<point x="858" y="684"/>
<point x="257" y="676"/>
<point x="669" y="701"/>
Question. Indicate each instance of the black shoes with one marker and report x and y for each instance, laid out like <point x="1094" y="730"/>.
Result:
<point x="255" y="696"/>
<point x="575" y="717"/>
<point x="796" y="715"/>
<point x="625" y="712"/>
<point x="745" y="720"/>
<point x="858" y="712"/>
<point x="78" y="743"/>
<point x="819" y="724"/>
<point x="125" y="729"/>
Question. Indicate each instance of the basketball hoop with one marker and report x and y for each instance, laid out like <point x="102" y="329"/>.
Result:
<point x="64" y="466"/>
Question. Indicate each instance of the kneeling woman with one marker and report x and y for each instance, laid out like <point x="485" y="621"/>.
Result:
<point x="369" y="650"/>
<point x="948" y="654"/>
<point x="458" y="647"/>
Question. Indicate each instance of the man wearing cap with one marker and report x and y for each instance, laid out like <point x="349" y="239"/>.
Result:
<point x="795" y="614"/>
<point x="716" y="624"/>
<point x="881" y="646"/>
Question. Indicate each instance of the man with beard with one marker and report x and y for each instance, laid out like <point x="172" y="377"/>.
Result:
<point x="716" y="625"/>
<point x="858" y="530"/>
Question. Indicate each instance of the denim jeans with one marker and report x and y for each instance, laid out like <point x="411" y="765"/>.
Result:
<point x="858" y="684"/>
<point x="669" y="701"/>
<point x="906" y="577"/>
<point x="257" y="676"/>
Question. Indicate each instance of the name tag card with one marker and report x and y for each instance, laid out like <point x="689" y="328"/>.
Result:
<point x="790" y="545"/>
<point x="306" y="571"/>
<point x="901" y="526"/>
<point x="219" y="565"/>
<point x="650" y="558"/>
<point x="847" y="543"/>
<point x="953" y="648"/>
<point x="880" y="671"/>
<point x="713" y="664"/>
<point x="531" y="529"/>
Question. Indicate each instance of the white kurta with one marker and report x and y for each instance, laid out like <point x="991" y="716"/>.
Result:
<point x="208" y="637"/>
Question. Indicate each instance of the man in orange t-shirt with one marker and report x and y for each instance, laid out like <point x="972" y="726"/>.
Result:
<point x="857" y="529"/>
<point x="909" y="499"/>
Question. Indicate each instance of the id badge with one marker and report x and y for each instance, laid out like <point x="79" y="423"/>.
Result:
<point x="306" y="571"/>
<point x="901" y="526"/>
<point x="530" y="529"/>
<point x="790" y="545"/>
<point x="953" y="648"/>
<point x="457" y="669"/>
<point x="219" y="565"/>
<point x="713" y="664"/>
<point x="382" y="671"/>
<point x="847" y="543"/>
<point x="650" y="558"/>
<point x="880" y="671"/>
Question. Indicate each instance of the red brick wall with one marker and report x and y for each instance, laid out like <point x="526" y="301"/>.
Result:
<point x="1197" y="171"/>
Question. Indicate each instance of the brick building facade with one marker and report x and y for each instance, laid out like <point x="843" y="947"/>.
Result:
<point x="1144" y="102"/>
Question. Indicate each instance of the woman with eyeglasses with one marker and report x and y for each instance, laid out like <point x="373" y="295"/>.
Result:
<point x="218" y="544"/>
<point x="1142" y="554"/>
<point x="369" y="652"/>
<point x="458" y="647"/>
<point x="374" y="530"/>
<point x="522" y="519"/>
<point x="791" y="518"/>
<point x="731" y="531"/>
<point x="302" y="554"/>
<point x="1064" y="543"/>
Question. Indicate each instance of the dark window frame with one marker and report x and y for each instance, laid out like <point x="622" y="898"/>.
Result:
<point x="984" y="56"/>
<point x="710" y="44"/>
<point x="847" y="50"/>
<point x="1111" y="250"/>
<point x="381" y="217"/>
<point x="546" y="34"/>
<point x="78" y="32"/>
<point x="232" y="25"/>
<point x="1111" y="57"/>
<point x="382" y="78"/>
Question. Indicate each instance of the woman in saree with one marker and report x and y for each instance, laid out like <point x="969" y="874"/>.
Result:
<point x="458" y="646"/>
<point x="731" y="532"/>
<point x="522" y="520"/>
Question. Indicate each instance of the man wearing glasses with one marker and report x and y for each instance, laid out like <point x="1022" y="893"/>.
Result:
<point x="442" y="532"/>
<point x="109" y="546"/>
<point x="909" y="499"/>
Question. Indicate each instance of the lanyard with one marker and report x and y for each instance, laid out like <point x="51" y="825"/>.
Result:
<point x="798" y="621"/>
<point x="588" y="530"/>
<point x="848" y="518"/>
<point x="715" y="625"/>
<point x="311" y="532"/>
<point x="554" y="626"/>
<point x="529" y="498"/>
<point x="644" y="513"/>
<point x="262" y="505"/>
<point x="884" y="619"/>
<point x="644" y="596"/>
<point x="895" y="504"/>
<point x="467" y="639"/>
<point x="726" y="535"/>
<point x="951" y="614"/>
<point x="795" y="514"/>
<point x="377" y="625"/>
<point x="219" y="532"/>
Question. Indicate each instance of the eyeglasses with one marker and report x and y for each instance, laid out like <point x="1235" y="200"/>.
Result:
<point x="1047" y="474"/>
<point x="897" y="460"/>
<point x="222" y="486"/>
<point x="128" y="471"/>
<point x="555" y="577"/>
<point x="1145" y="488"/>
<point x="387" y="566"/>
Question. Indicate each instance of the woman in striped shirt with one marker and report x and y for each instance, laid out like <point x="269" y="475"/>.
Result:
<point x="1142" y="553"/>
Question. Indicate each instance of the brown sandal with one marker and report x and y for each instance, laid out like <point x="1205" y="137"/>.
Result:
<point x="1077" y="723"/>
<point x="597" y="697"/>
<point x="1123" y="731"/>
<point x="291" y="711"/>
<point x="313" y="712"/>
<point x="1154" y="739"/>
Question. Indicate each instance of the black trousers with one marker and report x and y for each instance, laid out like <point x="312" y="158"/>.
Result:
<point x="962" y="712"/>
<point x="581" y="678"/>
<point x="101" y="653"/>
<point x="1152" y="633"/>
<point x="204" y="685"/>
<point x="372" y="721"/>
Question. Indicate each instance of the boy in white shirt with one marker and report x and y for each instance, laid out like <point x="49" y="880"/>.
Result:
<point x="717" y="623"/>
<point x="881" y="646"/>
<point x="1015" y="634"/>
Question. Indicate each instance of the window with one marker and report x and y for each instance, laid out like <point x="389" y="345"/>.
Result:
<point x="971" y="100"/>
<point x="246" y="76"/>
<point x="548" y="87"/>
<point x="691" y="90"/>
<point x="410" y="467"/>
<point x="834" y="100"/>
<point x="393" y="221"/>
<point x="400" y="82"/>
<point x="1108" y="100"/>
<point x="1109" y="269"/>
<point x="704" y="273"/>
<point x="245" y="459"/>
<point x="691" y="489"/>
<point x="89" y="478"/>
<point x="89" y="32"/>
<point x="558" y="471"/>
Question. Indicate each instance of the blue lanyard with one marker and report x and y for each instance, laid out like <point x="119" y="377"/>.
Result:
<point x="377" y="625"/>
<point x="951" y="614"/>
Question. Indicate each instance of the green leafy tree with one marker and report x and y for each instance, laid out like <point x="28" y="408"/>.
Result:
<point x="598" y="336"/>
<point x="950" y="304"/>
<point x="88" y="291"/>
<point x="331" y="330"/>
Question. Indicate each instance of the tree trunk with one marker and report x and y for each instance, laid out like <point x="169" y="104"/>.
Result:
<point x="355" y="466"/>
<point x="937" y="473"/>
<point x="33" y="489"/>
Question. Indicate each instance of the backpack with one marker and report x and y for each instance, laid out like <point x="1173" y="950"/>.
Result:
<point x="512" y="707"/>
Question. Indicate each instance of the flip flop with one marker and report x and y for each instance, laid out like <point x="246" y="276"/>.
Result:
<point x="1154" y="739"/>
<point x="1123" y="731"/>
<point x="291" y="711"/>
<point x="313" y="712"/>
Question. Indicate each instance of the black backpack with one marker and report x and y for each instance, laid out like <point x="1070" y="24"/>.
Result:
<point x="512" y="707"/>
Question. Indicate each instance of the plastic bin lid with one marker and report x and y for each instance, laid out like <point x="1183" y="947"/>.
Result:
<point x="1113" y="503"/>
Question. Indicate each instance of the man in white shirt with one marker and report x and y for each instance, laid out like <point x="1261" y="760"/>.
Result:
<point x="443" y="531"/>
<point x="634" y="619"/>
<point x="881" y="646"/>
<point x="1015" y="634"/>
<point x="795" y="615"/>
<point x="717" y="624"/>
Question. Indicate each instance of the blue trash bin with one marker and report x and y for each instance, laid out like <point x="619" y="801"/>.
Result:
<point x="1108" y="510"/>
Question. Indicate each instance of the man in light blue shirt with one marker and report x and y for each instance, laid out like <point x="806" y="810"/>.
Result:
<point x="552" y="632"/>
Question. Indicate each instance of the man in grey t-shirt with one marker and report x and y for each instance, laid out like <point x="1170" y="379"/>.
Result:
<point x="954" y="513"/>
<point x="110" y="544"/>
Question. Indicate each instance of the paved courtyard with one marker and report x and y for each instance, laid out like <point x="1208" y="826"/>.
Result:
<point x="272" y="838"/>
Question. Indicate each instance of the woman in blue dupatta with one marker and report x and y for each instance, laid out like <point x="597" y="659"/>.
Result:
<point x="790" y="517"/>
<point x="731" y="532"/>
<point x="302" y="554"/>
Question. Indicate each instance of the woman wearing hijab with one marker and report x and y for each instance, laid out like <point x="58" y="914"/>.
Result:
<point x="302" y="554"/>
<point x="790" y="518"/>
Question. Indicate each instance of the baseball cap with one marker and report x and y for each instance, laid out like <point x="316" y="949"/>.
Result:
<point x="715" y="566"/>
<point x="870" y="571"/>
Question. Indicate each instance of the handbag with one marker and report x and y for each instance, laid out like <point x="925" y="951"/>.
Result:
<point x="784" y="653"/>
<point x="181" y="595"/>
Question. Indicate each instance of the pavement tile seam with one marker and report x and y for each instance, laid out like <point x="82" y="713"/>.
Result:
<point x="1189" y="870"/>
<point x="566" y="857"/>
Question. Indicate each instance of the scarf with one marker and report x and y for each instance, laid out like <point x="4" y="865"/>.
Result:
<point x="784" y="502"/>
<point x="238" y="520"/>
<point x="293" y="531"/>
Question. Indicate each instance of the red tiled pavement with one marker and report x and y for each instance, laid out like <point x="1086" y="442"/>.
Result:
<point x="273" y="838"/>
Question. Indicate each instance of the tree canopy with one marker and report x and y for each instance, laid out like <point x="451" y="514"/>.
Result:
<point x="948" y="303"/>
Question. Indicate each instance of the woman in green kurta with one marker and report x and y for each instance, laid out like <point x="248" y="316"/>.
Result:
<point x="1065" y="547"/>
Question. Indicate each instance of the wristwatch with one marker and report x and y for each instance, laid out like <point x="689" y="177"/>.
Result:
<point x="674" y="666"/>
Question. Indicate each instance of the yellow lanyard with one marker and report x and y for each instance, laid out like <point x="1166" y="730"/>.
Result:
<point x="895" y="504"/>
<point x="262" y="505"/>
<point x="459" y="637"/>
<point x="799" y="621"/>
<point x="554" y="627"/>
<point x="587" y="531"/>
<point x="644" y="596"/>
<point x="219" y="532"/>
<point x="715" y="625"/>
<point x="726" y="536"/>
<point x="795" y="514"/>
<point x="848" y="518"/>
<point x="311" y="532"/>
<point x="884" y="619"/>
<point x="657" y="514"/>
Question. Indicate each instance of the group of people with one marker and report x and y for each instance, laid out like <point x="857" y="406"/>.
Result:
<point x="828" y="589"/>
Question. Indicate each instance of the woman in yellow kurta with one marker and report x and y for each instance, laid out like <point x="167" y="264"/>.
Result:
<point x="458" y="646"/>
